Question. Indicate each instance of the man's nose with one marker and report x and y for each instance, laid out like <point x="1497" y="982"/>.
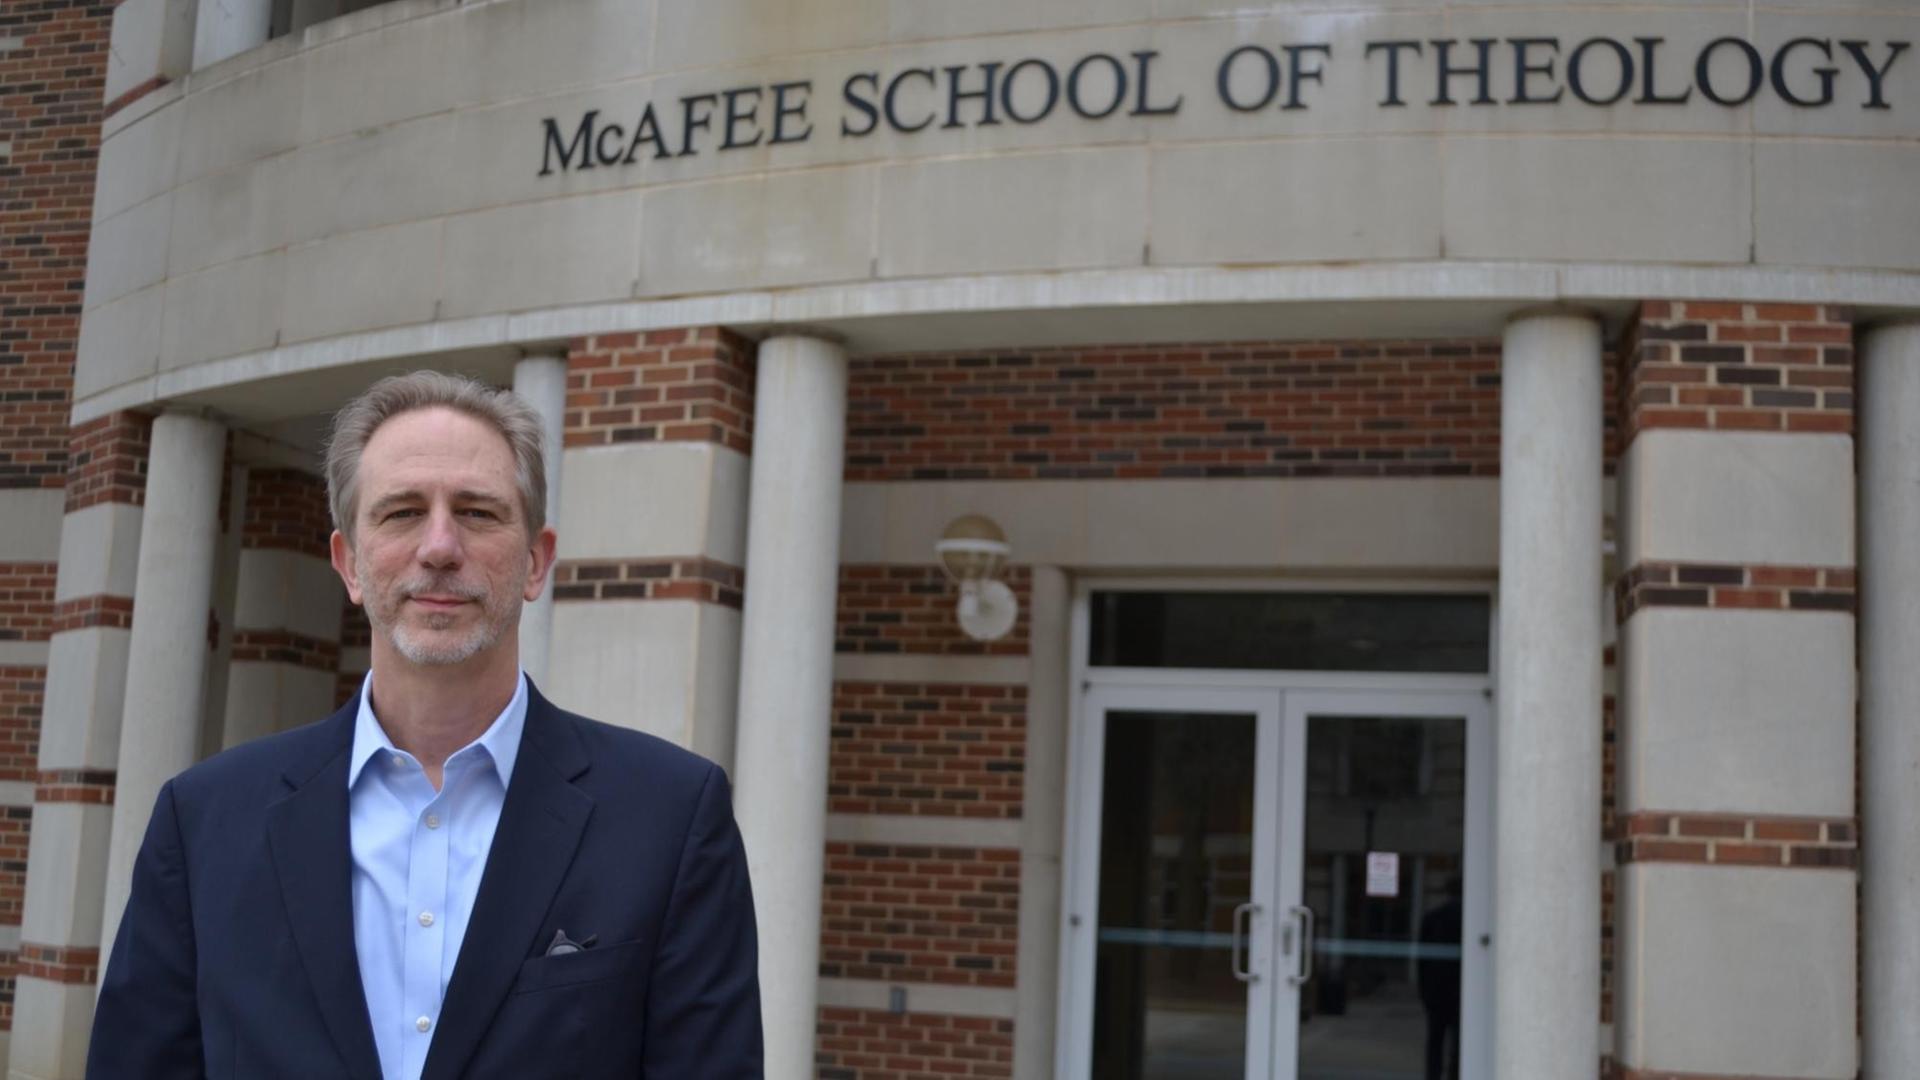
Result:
<point x="440" y="543"/>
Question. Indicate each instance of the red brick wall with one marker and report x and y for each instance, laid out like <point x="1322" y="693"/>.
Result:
<point x="911" y="609"/>
<point x="107" y="461"/>
<point x="911" y="914"/>
<point x="50" y="111"/>
<point x="1738" y="367"/>
<point x="866" y="1044"/>
<point x="688" y="385"/>
<point x="936" y="750"/>
<point x="286" y="510"/>
<point x="1427" y="408"/>
<point x="26" y="600"/>
<point x="22" y="694"/>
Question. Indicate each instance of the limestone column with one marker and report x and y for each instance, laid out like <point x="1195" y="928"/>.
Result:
<point x="223" y="28"/>
<point x="786" y="675"/>
<point x="166" y="665"/>
<point x="1889" y="449"/>
<point x="542" y="381"/>
<point x="1042" y="826"/>
<point x="1547" y="876"/>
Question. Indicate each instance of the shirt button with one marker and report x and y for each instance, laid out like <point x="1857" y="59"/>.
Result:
<point x="397" y="761"/>
<point x="422" y="1025"/>
<point x="426" y="919"/>
<point x="433" y="821"/>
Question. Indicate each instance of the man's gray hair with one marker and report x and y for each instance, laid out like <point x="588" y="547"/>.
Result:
<point x="503" y="410"/>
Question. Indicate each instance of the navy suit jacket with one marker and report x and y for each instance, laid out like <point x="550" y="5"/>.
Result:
<point x="236" y="954"/>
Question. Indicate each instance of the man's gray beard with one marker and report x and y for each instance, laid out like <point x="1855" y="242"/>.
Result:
<point x="483" y="637"/>
<point x="498" y="614"/>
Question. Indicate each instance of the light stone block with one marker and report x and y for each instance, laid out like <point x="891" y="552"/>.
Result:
<point x="732" y="31"/>
<point x="367" y="81"/>
<point x="928" y="830"/>
<point x="51" y="1024"/>
<point x="223" y="311"/>
<point x="157" y="40"/>
<point x="1592" y="199"/>
<point x="1289" y="524"/>
<point x="909" y="20"/>
<point x="878" y="996"/>
<point x="370" y="178"/>
<point x="137" y="162"/>
<point x="133" y="54"/>
<point x="99" y="551"/>
<point x="128" y="252"/>
<point x="1843" y="20"/>
<point x="561" y="251"/>
<point x="1729" y="971"/>
<point x="716" y="685"/>
<point x="286" y="590"/>
<point x="362" y="281"/>
<point x="476" y="174"/>
<point x="653" y="665"/>
<point x="227" y="215"/>
<point x="30" y="524"/>
<point x="24" y="653"/>
<point x="1732" y="711"/>
<point x="526" y="50"/>
<point x="1045" y="211"/>
<point x="654" y="500"/>
<point x="758" y="232"/>
<point x="1733" y="497"/>
<point x="86" y="693"/>
<point x="241" y="119"/>
<point x="119" y="342"/>
<point x="66" y="869"/>
<point x="1159" y="524"/>
<point x="265" y="698"/>
<point x="1208" y="208"/>
<point x="1849" y="204"/>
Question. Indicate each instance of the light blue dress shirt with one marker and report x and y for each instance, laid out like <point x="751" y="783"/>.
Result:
<point x="417" y="859"/>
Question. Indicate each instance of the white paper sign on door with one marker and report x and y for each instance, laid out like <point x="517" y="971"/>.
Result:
<point x="1383" y="873"/>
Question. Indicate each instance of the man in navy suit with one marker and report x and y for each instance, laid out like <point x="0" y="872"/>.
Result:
<point x="449" y="877"/>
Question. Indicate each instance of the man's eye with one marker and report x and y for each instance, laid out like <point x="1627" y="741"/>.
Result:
<point x="393" y="515"/>
<point x="475" y="512"/>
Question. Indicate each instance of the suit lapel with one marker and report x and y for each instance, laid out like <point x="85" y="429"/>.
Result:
<point x="307" y="833"/>
<point x="540" y="827"/>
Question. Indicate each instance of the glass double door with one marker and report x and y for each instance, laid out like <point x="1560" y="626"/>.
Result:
<point x="1286" y="884"/>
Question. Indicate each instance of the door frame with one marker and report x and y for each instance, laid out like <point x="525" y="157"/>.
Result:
<point x="1289" y="693"/>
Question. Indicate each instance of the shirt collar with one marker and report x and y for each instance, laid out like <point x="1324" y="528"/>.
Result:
<point x="501" y="740"/>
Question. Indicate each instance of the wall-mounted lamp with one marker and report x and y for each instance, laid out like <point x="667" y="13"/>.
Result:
<point x="974" y="550"/>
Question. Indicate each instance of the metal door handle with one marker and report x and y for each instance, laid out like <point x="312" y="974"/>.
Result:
<point x="1244" y="974"/>
<point x="1304" y="970"/>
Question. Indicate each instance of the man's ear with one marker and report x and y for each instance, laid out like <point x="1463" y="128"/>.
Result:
<point x="540" y="561"/>
<point x="343" y="565"/>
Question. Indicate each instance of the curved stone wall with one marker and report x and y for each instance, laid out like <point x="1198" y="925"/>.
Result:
<point x="427" y="166"/>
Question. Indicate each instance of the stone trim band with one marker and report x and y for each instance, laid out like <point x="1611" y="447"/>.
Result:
<point x="91" y="786"/>
<point x="1731" y="585"/>
<point x="285" y="647"/>
<point x="706" y="580"/>
<point x="1799" y="843"/>
<point x="68" y="964"/>
<point x="1623" y="1073"/>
